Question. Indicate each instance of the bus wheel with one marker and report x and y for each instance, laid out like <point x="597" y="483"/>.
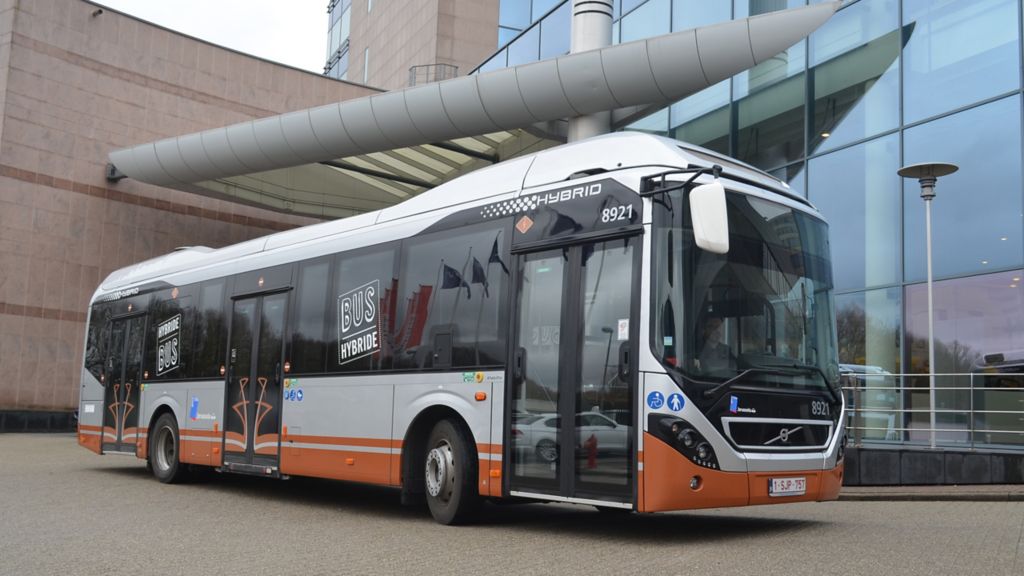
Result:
<point x="450" y="475"/>
<point x="164" y="448"/>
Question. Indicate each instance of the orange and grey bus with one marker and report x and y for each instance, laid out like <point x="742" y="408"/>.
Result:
<point x="623" y="322"/>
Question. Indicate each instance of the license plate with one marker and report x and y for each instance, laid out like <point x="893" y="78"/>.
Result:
<point x="787" y="486"/>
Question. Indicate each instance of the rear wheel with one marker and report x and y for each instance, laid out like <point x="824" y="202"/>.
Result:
<point x="164" y="450"/>
<point x="450" y="475"/>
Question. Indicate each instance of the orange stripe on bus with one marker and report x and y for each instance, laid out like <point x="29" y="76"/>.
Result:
<point x="488" y="448"/>
<point x="204" y="433"/>
<point x="345" y="441"/>
<point x="368" y="467"/>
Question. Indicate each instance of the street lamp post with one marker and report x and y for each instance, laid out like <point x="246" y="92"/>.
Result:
<point x="927" y="174"/>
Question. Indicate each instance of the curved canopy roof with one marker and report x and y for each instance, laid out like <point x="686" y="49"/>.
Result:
<point x="367" y="153"/>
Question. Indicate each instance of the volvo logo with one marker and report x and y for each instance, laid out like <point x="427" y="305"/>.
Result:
<point x="784" y="434"/>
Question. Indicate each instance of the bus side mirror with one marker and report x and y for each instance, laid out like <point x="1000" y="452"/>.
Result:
<point x="710" y="218"/>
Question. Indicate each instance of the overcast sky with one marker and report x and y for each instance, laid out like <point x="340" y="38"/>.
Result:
<point x="292" y="32"/>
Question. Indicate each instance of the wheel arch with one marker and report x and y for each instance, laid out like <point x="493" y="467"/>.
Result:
<point x="414" y="447"/>
<point x="164" y="407"/>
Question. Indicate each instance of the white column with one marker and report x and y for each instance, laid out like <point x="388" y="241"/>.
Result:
<point x="591" y="29"/>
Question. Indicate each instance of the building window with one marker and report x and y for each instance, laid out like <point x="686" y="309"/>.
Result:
<point x="857" y="190"/>
<point x="977" y="322"/>
<point x="958" y="52"/>
<point x="976" y="214"/>
<point x="855" y="75"/>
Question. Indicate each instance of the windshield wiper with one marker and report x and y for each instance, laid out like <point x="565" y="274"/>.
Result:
<point x="780" y="370"/>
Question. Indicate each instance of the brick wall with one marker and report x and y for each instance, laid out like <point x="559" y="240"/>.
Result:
<point x="74" y="86"/>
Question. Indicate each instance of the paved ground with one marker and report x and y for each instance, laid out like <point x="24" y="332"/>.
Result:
<point x="64" y="510"/>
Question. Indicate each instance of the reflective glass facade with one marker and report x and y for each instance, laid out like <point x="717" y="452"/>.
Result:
<point x="883" y="84"/>
<point x="338" y="27"/>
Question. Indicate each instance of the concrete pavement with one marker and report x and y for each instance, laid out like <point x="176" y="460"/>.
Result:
<point x="64" y="510"/>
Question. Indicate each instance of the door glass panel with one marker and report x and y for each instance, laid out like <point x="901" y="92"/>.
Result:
<point x="113" y="376"/>
<point x="267" y="391"/>
<point x="132" y="374"/>
<point x="604" y="416"/>
<point x="535" y="421"/>
<point x="237" y="417"/>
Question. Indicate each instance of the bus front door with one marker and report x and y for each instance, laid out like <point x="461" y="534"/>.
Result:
<point x="252" y="412"/>
<point x="571" y="416"/>
<point x="121" y="376"/>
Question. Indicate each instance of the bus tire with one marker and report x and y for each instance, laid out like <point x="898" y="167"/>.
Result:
<point x="450" y="475"/>
<point x="164" y="451"/>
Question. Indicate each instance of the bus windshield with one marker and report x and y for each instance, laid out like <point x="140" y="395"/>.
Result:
<point x="764" y="308"/>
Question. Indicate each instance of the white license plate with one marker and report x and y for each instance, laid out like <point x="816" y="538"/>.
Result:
<point x="787" y="486"/>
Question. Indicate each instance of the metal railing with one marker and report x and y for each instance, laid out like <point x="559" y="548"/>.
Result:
<point x="427" y="73"/>
<point x="972" y="410"/>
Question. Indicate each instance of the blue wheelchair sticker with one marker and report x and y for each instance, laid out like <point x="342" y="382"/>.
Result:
<point x="655" y="400"/>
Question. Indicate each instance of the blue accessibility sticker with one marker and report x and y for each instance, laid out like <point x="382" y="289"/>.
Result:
<point x="734" y="404"/>
<point x="298" y="395"/>
<point x="291" y="394"/>
<point x="676" y="402"/>
<point x="655" y="400"/>
<point x="193" y="411"/>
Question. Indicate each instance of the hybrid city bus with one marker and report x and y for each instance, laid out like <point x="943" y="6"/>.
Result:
<point x="624" y="322"/>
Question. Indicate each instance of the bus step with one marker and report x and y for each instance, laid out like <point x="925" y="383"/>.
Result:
<point x="251" y="470"/>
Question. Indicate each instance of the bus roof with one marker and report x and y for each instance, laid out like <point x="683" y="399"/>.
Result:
<point x="607" y="153"/>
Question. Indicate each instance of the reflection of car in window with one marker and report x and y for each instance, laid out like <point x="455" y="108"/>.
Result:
<point x="540" y="433"/>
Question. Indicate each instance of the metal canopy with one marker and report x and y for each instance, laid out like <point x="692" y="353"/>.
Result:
<point x="357" y="184"/>
<point x="368" y="153"/>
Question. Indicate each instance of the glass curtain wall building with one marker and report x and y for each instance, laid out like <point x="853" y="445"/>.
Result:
<point x="885" y="83"/>
<point x="338" y="26"/>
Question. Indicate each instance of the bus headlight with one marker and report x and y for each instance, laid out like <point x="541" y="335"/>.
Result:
<point x="683" y="438"/>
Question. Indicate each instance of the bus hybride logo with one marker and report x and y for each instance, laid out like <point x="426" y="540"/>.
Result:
<point x="534" y="201"/>
<point x="358" y="334"/>
<point x="168" y="345"/>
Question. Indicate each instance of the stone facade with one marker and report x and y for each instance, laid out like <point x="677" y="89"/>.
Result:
<point x="77" y="81"/>
<point x="404" y="33"/>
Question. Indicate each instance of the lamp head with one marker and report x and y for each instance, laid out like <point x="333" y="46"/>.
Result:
<point x="927" y="173"/>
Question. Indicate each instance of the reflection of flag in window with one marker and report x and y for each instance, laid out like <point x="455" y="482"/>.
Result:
<point x="452" y="279"/>
<point x="495" y="257"/>
<point x="480" y="276"/>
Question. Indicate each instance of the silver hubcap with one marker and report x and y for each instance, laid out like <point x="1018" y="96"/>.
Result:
<point x="440" y="472"/>
<point x="164" y="452"/>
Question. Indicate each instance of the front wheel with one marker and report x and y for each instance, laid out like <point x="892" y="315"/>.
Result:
<point x="450" y="475"/>
<point x="164" y="448"/>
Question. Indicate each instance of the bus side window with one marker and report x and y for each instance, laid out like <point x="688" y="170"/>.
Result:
<point x="168" y="350"/>
<point x="361" y="309"/>
<point x="309" y="343"/>
<point x="454" y="289"/>
<point x="211" y="331"/>
<point x="97" y="340"/>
